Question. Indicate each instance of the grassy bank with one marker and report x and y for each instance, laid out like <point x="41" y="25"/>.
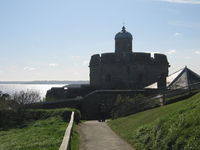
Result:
<point x="44" y="131"/>
<point x="175" y="126"/>
<point x="75" y="139"/>
<point x="42" y="134"/>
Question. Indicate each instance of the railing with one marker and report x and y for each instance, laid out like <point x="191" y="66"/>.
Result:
<point x="157" y="100"/>
<point x="68" y="135"/>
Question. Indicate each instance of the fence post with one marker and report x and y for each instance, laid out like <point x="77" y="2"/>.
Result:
<point x="163" y="99"/>
<point x="67" y="137"/>
<point x="190" y="89"/>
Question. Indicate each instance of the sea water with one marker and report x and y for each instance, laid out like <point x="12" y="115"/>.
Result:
<point x="40" y="88"/>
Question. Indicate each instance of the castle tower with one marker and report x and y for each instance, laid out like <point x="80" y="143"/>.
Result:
<point x="124" y="69"/>
<point x="123" y="42"/>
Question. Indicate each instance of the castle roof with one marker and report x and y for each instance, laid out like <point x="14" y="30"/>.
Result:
<point x="123" y="34"/>
<point x="179" y="79"/>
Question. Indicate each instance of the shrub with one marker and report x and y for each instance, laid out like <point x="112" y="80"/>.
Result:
<point x="125" y="105"/>
<point x="126" y="101"/>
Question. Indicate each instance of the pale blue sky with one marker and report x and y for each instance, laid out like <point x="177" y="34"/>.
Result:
<point x="54" y="39"/>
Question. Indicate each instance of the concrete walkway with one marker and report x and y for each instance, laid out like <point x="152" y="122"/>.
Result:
<point x="96" y="135"/>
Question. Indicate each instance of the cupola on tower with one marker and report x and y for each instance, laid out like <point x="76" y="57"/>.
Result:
<point x="123" y="41"/>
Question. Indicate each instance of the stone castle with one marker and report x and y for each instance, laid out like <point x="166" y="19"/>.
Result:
<point x="125" y="69"/>
<point x="122" y="72"/>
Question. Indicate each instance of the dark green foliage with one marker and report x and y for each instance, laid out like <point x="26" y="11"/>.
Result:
<point x="126" y="101"/>
<point x="65" y="113"/>
<point x="13" y="118"/>
<point x="49" y="99"/>
<point x="125" y="105"/>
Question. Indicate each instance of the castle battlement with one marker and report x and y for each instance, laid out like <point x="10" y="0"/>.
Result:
<point x="135" y="57"/>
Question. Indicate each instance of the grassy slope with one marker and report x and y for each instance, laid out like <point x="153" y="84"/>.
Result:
<point x="75" y="138"/>
<point x="42" y="134"/>
<point x="46" y="133"/>
<point x="174" y="126"/>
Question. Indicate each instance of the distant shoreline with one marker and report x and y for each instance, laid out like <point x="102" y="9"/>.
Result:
<point x="45" y="82"/>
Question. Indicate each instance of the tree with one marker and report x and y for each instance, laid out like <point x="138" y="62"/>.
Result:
<point x="13" y="109"/>
<point x="26" y="97"/>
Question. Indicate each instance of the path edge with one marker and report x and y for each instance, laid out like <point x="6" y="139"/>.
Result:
<point x="67" y="137"/>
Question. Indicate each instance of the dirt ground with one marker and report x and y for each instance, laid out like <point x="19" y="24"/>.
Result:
<point x="96" y="135"/>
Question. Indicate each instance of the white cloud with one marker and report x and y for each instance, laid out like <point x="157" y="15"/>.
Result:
<point x="197" y="52"/>
<point x="29" y="68"/>
<point x="53" y="64"/>
<point x="171" y="51"/>
<point x="178" y="34"/>
<point x="183" y="1"/>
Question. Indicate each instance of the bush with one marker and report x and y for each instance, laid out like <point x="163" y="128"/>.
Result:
<point x="65" y="113"/>
<point x="126" y="101"/>
<point x="125" y="105"/>
<point x="11" y="118"/>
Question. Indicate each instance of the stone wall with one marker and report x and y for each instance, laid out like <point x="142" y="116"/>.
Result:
<point x="126" y="70"/>
<point x="90" y="103"/>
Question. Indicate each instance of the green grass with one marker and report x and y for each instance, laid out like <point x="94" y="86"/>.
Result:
<point x="41" y="130"/>
<point x="75" y="138"/>
<point x="175" y="126"/>
<point x="44" y="134"/>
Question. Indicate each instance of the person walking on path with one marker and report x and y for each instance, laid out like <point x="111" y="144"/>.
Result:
<point x="98" y="136"/>
<point x="102" y="112"/>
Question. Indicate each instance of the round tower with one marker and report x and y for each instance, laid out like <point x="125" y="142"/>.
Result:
<point x="123" y="41"/>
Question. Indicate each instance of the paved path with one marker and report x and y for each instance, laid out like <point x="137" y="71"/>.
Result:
<point x="96" y="135"/>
